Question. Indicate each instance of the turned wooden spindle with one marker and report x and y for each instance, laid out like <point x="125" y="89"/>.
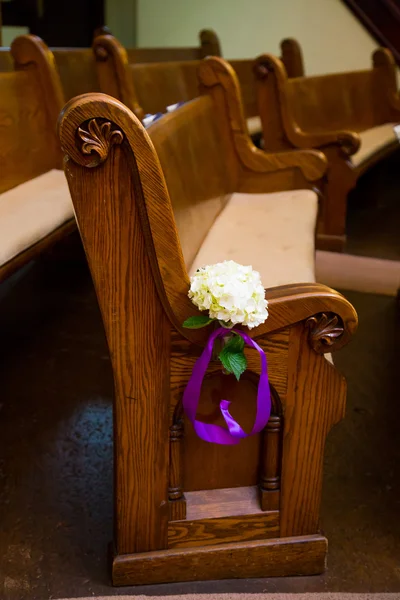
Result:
<point x="177" y="502"/>
<point x="271" y="464"/>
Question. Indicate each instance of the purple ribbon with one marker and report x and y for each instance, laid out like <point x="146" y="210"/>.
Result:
<point x="191" y="396"/>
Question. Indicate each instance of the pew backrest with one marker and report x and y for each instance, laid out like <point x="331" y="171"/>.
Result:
<point x="30" y="101"/>
<point x="349" y="101"/>
<point x="150" y="87"/>
<point x="190" y="146"/>
<point x="354" y="100"/>
<point x="79" y="72"/>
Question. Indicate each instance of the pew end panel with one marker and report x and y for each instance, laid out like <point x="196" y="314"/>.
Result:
<point x="292" y="57"/>
<point x="35" y="206"/>
<point x="209" y="43"/>
<point x="135" y="192"/>
<point x="111" y="61"/>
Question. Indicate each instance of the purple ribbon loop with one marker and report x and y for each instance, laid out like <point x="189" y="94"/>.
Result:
<point x="191" y="396"/>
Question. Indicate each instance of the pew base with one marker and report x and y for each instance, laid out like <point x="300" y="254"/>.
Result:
<point x="280" y="557"/>
<point x="331" y="243"/>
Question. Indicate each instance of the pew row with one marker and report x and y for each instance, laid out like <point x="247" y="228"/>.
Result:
<point x="150" y="88"/>
<point x="102" y="68"/>
<point x="350" y="116"/>
<point x="79" y="75"/>
<point x="152" y="206"/>
<point x="35" y="205"/>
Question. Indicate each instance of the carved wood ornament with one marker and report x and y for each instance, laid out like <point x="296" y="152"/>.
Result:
<point x="98" y="139"/>
<point x="325" y="329"/>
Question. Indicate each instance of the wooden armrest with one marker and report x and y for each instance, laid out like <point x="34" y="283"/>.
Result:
<point x="312" y="163"/>
<point x="291" y="304"/>
<point x="348" y="141"/>
<point x="267" y="65"/>
<point x="215" y="73"/>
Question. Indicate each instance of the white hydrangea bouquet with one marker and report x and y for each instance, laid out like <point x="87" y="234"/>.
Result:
<point x="233" y="295"/>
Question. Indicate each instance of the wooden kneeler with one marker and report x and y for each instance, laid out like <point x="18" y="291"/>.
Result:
<point x="185" y="509"/>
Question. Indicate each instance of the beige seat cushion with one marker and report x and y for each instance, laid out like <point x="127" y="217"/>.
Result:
<point x="373" y="140"/>
<point x="254" y="125"/>
<point x="31" y="211"/>
<point x="272" y="232"/>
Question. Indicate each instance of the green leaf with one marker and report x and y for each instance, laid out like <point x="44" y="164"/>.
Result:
<point x="233" y="362"/>
<point x="197" y="322"/>
<point x="234" y="344"/>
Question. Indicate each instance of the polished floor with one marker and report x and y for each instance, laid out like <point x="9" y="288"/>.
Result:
<point x="56" y="437"/>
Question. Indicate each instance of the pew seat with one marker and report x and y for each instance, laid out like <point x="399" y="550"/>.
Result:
<point x="32" y="211"/>
<point x="373" y="142"/>
<point x="272" y="232"/>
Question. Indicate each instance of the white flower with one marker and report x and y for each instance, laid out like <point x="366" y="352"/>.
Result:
<point x="231" y="293"/>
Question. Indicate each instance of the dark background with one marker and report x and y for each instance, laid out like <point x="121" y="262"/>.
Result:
<point x="59" y="22"/>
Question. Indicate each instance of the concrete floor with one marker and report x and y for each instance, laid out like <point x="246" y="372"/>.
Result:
<point x="56" y="437"/>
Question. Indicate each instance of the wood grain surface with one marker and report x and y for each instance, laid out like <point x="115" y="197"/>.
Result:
<point x="206" y="532"/>
<point x="283" y="557"/>
<point x="327" y="112"/>
<point x="127" y="222"/>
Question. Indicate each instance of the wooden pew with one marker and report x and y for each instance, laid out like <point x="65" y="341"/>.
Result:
<point x="152" y="207"/>
<point x="149" y="88"/>
<point x="35" y="205"/>
<point x="77" y="67"/>
<point x="80" y="73"/>
<point x="349" y="116"/>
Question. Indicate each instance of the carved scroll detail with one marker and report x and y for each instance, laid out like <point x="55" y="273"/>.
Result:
<point x="98" y="139"/>
<point x="263" y="67"/>
<point x="349" y="143"/>
<point x="101" y="53"/>
<point x="324" y="330"/>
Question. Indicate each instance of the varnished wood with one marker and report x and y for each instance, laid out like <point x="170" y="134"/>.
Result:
<point x="150" y="88"/>
<point x="177" y="500"/>
<point x="80" y="74"/>
<point x="6" y="60"/>
<point x="328" y="112"/>
<point x="220" y="503"/>
<point x="292" y="57"/>
<point x="144" y="202"/>
<point x="30" y="101"/>
<point x="271" y="464"/>
<point x="311" y="412"/>
<point x="270" y="558"/>
<point x="212" y="532"/>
